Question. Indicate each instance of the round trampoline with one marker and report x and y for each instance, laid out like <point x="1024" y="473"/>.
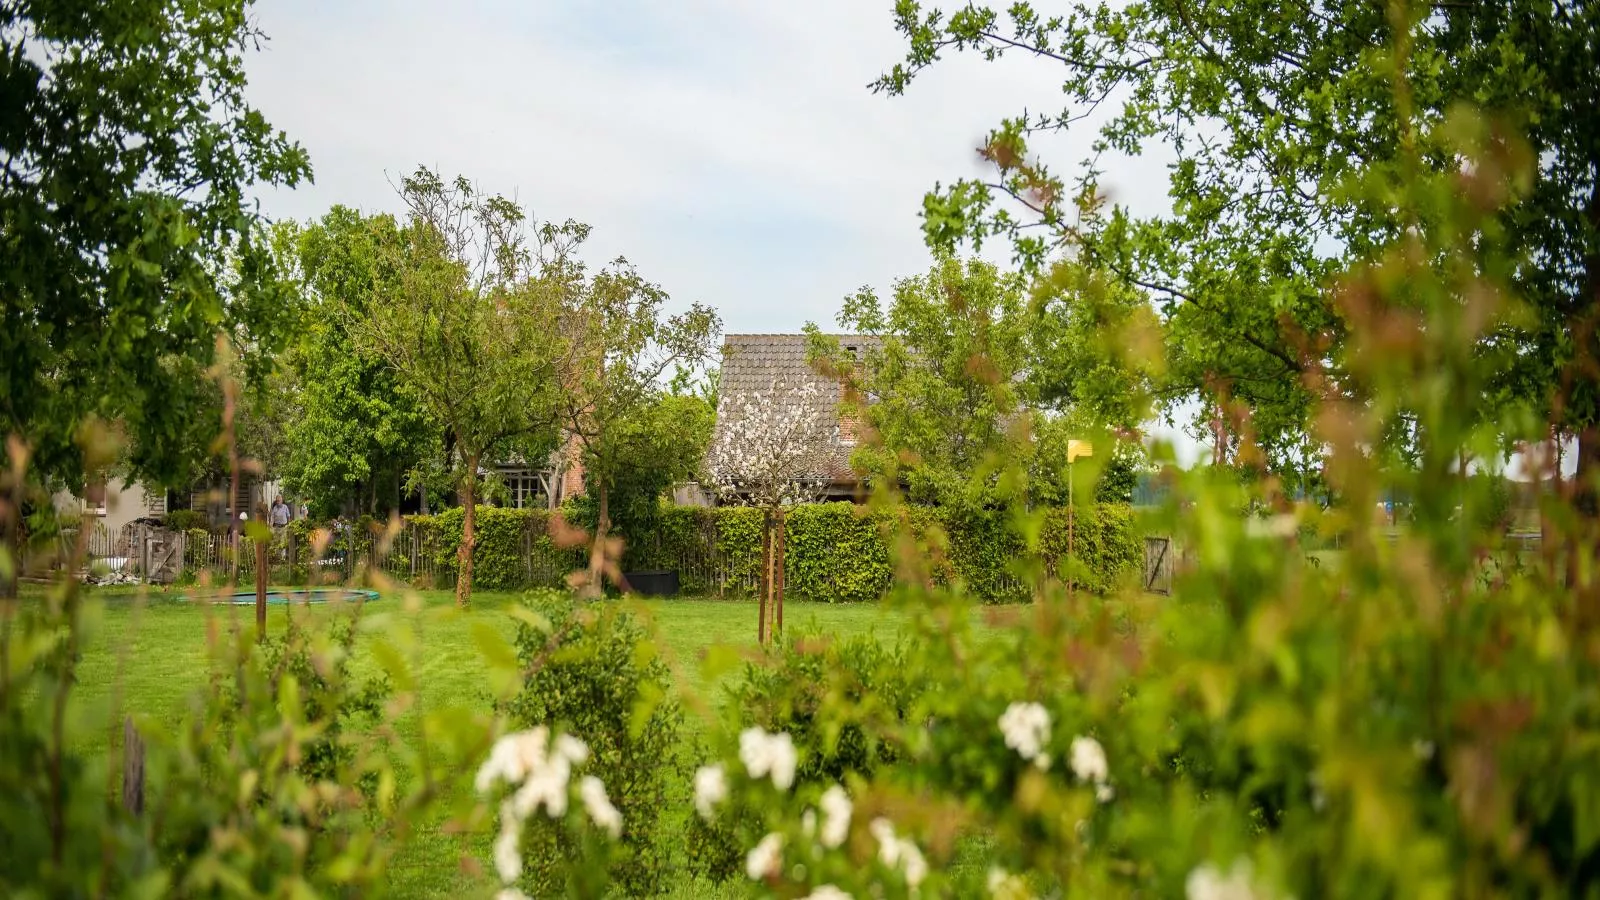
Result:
<point x="310" y="595"/>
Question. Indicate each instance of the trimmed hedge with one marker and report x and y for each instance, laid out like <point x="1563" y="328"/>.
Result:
<point x="513" y="547"/>
<point x="837" y="552"/>
<point x="840" y="552"/>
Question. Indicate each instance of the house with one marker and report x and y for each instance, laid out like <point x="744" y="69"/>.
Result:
<point x="118" y="501"/>
<point x="768" y="365"/>
<point x="543" y="486"/>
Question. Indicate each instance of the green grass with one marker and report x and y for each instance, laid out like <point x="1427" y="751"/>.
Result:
<point x="147" y="652"/>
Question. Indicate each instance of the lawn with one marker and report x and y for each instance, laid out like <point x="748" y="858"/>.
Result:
<point x="147" y="651"/>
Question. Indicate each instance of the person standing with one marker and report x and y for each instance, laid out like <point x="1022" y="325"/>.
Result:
<point x="279" y="514"/>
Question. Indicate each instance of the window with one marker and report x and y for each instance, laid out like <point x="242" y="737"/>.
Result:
<point x="525" y="487"/>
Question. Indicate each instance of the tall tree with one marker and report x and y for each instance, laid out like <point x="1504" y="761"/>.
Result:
<point x="359" y="430"/>
<point x="126" y="151"/>
<point x="127" y="240"/>
<point x="623" y="348"/>
<point x="774" y="449"/>
<point x="941" y="388"/>
<point x="469" y="319"/>
<point x="1270" y="111"/>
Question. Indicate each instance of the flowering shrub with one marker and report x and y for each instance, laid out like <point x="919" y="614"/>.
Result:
<point x="590" y="672"/>
<point x="538" y="770"/>
<point x="1416" y="720"/>
<point x="835" y="705"/>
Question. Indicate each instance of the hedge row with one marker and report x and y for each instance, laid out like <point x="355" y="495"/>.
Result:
<point x="837" y="552"/>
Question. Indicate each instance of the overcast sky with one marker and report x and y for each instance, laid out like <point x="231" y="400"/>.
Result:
<point x="732" y="150"/>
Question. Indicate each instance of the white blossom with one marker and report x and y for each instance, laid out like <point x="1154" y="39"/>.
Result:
<point x="513" y="757"/>
<point x="508" y="846"/>
<point x="546" y="787"/>
<point x="710" y="788"/>
<point x="836" y="809"/>
<point x="764" y="860"/>
<point x="1089" y="760"/>
<point x="1026" y="726"/>
<point x="1207" y="882"/>
<point x="599" y="806"/>
<point x="775" y="447"/>
<point x="1105" y="793"/>
<point x="898" y="853"/>
<point x="510" y="893"/>
<point x="1004" y="885"/>
<point x="827" y="892"/>
<point x="573" y="750"/>
<point x="768" y="754"/>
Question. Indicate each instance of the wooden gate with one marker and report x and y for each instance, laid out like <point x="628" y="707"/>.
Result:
<point x="1158" y="560"/>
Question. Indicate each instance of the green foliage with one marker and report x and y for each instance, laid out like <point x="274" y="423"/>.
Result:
<point x="467" y="316"/>
<point x="840" y="701"/>
<point x="272" y="779"/>
<point x="130" y="241"/>
<point x="661" y="443"/>
<point x="1414" y="720"/>
<point x="513" y="549"/>
<point x="186" y="520"/>
<point x="938" y="392"/>
<point x="593" y="673"/>
<point x="356" y="429"/>
<point x="634" y="435"/>
<point x="1267" y="127"/>
<point x="841" y="552"/>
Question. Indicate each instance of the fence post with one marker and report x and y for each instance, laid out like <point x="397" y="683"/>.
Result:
<point x="132" y="768"/>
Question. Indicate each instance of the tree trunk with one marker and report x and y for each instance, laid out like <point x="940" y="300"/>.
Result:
<point x="261" y="589"/>
<point x="469" y="523"/>
<point x="1584" y="543"/>
<point x="764" y="591"/>
<point x="597" y="550"/>
<point x="780" y="540"/>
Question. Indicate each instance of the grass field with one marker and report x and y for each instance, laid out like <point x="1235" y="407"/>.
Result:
<point x="147" y="652"/>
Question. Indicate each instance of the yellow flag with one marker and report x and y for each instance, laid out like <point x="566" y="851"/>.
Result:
<point x="1076" y="449"/>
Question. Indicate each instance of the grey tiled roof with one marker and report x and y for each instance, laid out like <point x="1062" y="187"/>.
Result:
<point x="753" y="363"/>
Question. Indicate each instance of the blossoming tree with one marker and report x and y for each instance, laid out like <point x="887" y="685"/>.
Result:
<point x="774" y="450"/>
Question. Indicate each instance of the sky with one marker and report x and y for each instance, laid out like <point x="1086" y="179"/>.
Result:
<point x="731" y="150"/>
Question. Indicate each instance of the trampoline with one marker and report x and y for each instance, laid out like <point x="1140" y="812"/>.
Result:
<point x="280" y="596"/>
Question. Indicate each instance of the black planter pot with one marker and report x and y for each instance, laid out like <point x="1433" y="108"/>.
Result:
<point x="652" y="584"/>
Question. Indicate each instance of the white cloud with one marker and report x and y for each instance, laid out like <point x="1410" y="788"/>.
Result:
<point x="731" y="149"/>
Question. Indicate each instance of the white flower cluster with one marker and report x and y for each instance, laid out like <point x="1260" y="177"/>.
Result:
<point x="765" y="859"/>
<point x="768" y="754"/>
<point x="836" y="809"/>
<point x="1025" y="727"/>
<point x="1004" y="885"/>
<point x="710" y="788"/>
<point x="1089" y="764"/>
<point x="899" y="853"/>
<point x="539" y="770"/>
<point x="827" y="892"/>
<point x="774" y="447"/>
<point x="1207" y="882"/>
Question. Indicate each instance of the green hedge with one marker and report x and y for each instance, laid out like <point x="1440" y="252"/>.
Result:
<point x="837" y="552"/>
<point x="840" y="552"/>
<point x="513" y="547"/>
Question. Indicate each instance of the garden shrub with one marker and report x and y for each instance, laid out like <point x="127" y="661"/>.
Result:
<point x="272" y="778"/>
<point x="843" y="703"/>
<point x="513" y="548"/>
<point x="592" y="673"/>
<point x="186" y="520"/>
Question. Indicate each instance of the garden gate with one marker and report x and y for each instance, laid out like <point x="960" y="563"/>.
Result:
<point x="1158" y="565"/>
